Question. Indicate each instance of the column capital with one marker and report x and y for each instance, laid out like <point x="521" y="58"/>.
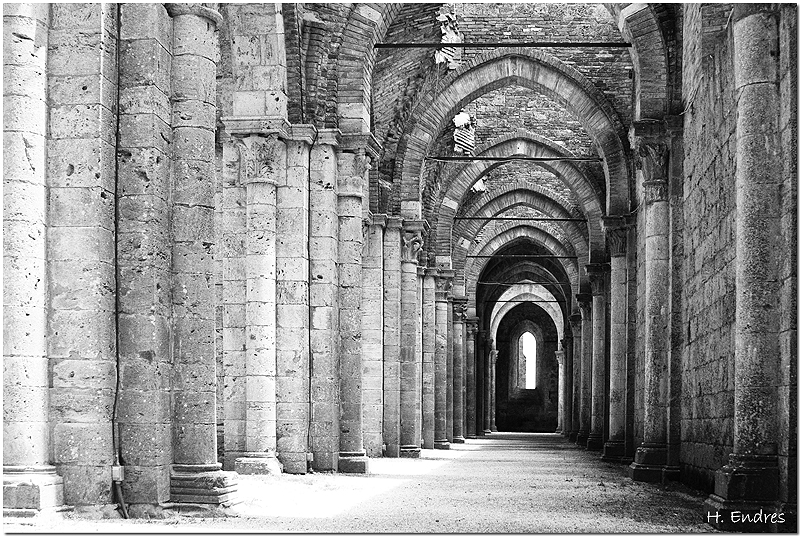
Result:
<point x="617" y="239"/>
<point x="575" y="320"/>
<point x="175" y="10"/>
<point x="459" y="308"/>
<point x="560" y="356"/>
<point x="596" y="274"/>
<point x="411" y="245"/>
<point x="264" y="125"/>
<point x="329" y="136"/>
<point x="431" y="271"/>
<point x="472" y="327"/>
<point x="585" y="303"/>
<point x="258" y="155"/>
<point x="444" y="282"/>
<point x="421" y="271"/>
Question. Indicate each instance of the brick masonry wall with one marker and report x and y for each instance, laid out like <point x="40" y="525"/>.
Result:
<point x="503" y="110"/>
<point x="709" y="265"/>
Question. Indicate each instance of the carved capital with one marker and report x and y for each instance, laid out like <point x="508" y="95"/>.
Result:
<point x="617" y="241"/>
<point x="459" y="309"/>
<point x="560" y="357"/>
<point x="585" y="303"/>
<point x="655" y="191"/>
<point x="444" y="283"/>
<point x="412" y="243"/>
<point x="472" y="328"/>
<point x="596" y="274"/>
<point x="258" y="158"/>
<point x="178" y="9"/>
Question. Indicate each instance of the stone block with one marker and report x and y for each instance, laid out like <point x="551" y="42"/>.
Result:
<point x="81" y="163"/>
<point x="145" y="484"/>
<point x="82" y="443"/>
<point x="23" y="157"/>
<point x="26" y="443"/>
<point x="146" y="444"/>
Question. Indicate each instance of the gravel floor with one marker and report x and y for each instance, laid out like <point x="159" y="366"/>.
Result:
<point x="509" y="483"/>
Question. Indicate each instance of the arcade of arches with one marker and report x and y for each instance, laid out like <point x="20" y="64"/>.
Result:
<point x="232" y="243"/>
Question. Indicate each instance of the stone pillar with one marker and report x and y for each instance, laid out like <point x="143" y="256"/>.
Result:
<point x="410" y="356"/>
<point x="372" y="337"/>
<point x="352" y="178"/>
<point x="487" y="385"/>
<point x="30" y="482"/>
<point x="749" y="481"/>
<point x="566" y="345"/>
<point x="420" y="352"/>
<point x="651" y="455"/>
<point x="617" y="237"/>
<point x="577" y="374"/>
<point x="443" y="284"/>
<point x="325" y="301"/>
<point x="391" y="336"/>
<point x="597" y="278"/>
<point x="449" y="411"/>
<point x="561" y="376"/>
<point x="459" y="314"/>
<point x="428" y="358"/>
<point x="493" y="390"/>
<point x="471" y="410"/>
<point x="585" y="412"/>
<point x="196" y="473"/>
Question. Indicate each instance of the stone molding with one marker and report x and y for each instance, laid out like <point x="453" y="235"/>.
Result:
<point x="174" y="10"/>
<point x="379" y="220"/>
<point x="366" y="142"/>
<point x="394" y="222"/>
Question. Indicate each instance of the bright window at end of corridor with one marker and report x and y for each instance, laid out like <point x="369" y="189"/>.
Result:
<point x="529" y="351"/>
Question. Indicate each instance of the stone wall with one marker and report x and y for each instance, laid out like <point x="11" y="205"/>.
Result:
<point x="709" y="266"/>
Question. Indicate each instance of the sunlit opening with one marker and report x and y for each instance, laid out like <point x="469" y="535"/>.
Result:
<point x="529" y="351"/>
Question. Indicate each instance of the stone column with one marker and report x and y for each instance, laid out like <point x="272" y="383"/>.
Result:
<point x="325" y="303"/>
<point x="443" y="284"/>
<point x="749" y="482"/>
<point x="577" y="375"/>
<point x="585" y="304"/>
<point x="410" y="356"/>
<point x="449" y="411"/>
<point x="487" y="385"/>
<point x="459" y="314"/>
<point x="471" y="419"/>
<point x="597" y="278"/>
<point x="561" y="390"/>
<point x="352" y="177"/>
<point x="428" y="358"/>
<point x="566" y="345"/>
<point x="651" y="455"/>
<point x="420" y="352"/>
<point x="196" y="473"/>
<point x="258" y="164"/>
<point x="617" y="237"/>
<point x="372" y="337"/>
<point x="493" y="390"/>
<point x="30" y="482"/>
<point x="391" y="336"/>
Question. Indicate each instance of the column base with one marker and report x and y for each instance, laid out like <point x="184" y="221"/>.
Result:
<point x="258" y="465"/>
<point x="573" y="436"/>
<point x="559" y="430"/>
<point x="391" y="451"/>
<point x="494" y="428"/>
<point x="594" y="442"/>
<point x="487" y="432"/>
<point x="409" y="451"/>
<point x="203" y="484"/>
<point x="28" y="490"/>
<point x="441" y="444"/>
<point x="471" y="437"/>
<point x="458" y="439"/>
<point x="613" y="451"/>
<point x="581" y="438"/>
<point x="649" y="463"/>
<point x="745" y="497"/>
<point x="354" y="462"/>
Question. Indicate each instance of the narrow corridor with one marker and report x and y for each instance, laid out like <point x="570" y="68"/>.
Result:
<point x="515" y="483"/>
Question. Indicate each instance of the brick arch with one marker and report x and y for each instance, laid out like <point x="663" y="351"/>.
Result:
<point x="468" y="229"/>
<point x="366" y="26"/>
<point x="516" y="144"/>
<point x="641" y="25"/>
<point x="526" y="292"/>
<point x="503" y="67"/>
<point x="517" y="271"/>
<point x="506" y="235"/>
